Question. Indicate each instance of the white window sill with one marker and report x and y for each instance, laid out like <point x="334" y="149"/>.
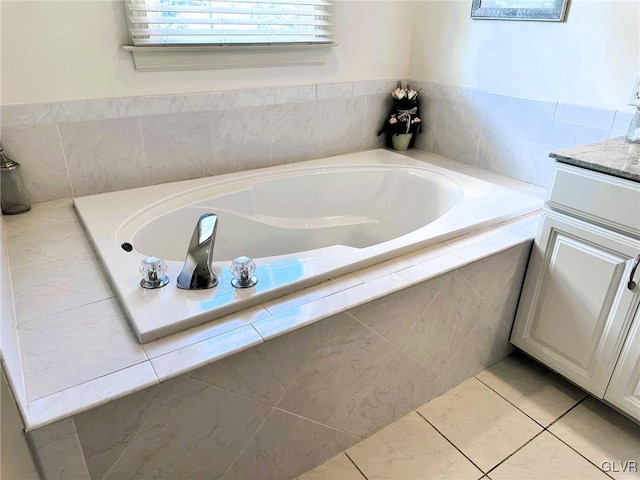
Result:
<point x="204" y="57"/>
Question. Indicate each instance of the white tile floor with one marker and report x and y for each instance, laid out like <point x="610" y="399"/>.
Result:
<point x="515" y="420"/>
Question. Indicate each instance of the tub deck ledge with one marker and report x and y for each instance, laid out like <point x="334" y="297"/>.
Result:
<point x="68" y="328"/>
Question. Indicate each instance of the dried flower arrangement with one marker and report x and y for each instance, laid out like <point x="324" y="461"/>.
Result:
<point x="404" y="116"/>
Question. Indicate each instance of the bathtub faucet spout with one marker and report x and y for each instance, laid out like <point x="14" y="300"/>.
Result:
<point x="197" y="273"/>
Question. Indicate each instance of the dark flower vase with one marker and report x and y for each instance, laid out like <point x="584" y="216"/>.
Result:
<point x="397" y="109"/>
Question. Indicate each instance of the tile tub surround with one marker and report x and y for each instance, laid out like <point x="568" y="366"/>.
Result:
<point x="286" y="405"/>
<point x="372" y="399"/>
<point x="508" y="134"/>
<point x="71" y="148"/>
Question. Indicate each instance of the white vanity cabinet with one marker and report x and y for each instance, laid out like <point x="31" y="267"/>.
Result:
<point x="624" y="388"/>
<point x="576" y="309"/>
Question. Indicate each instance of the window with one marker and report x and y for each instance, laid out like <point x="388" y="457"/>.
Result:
<point x="198" y="26"/>
<point x="202" y="22"/>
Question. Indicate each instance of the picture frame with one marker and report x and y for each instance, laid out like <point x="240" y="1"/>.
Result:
<point x="536" y="10"/>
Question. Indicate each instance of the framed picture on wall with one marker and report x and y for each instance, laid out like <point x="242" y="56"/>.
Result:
<point x="540" y="10"/>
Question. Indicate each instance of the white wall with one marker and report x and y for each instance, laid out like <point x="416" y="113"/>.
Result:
<point x="71" y="50"/>
<point x="589" y="59"/>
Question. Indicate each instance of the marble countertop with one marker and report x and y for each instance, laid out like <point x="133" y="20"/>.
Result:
<point x="67" y="328"/>
<point x="614" y="156"/>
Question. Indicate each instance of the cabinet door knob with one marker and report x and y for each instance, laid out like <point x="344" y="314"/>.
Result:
<point x="631" y="285"/>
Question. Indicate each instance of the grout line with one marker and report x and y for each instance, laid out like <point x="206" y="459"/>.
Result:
<point x="378" y="334"/>
<point x="319" y="423"/>
<point x="445" y="276"/>
<point x="39" y="211"/>
<point x="373" y="384"/>
<point x="555" y="112"/>
<point x="436" y="122"/>
<point x="248" y="442"/>
<point x="30" y="229"/>
<point x="48" y="262"/>
<point x="271" y="112"/>
<point x="414" y="325"/>
<point x="565" y="413"/>
<point x="209" y="165"/>
<point x="320" y="288"/>
<point x="452" y="444"/>
<point x="66" y="389"/>
<point x="363" y="133"/>
<point x="252" y="326"/>
<point x="284" y="393"/>
<point x="355" y="465"/>
<point x="575" y="450"/>
<point x="481" y="134"/>
<point x="544" y="429"/>
<point x="398" y="347"/>
<point x="467" y="336"/>
<point x="214" y="158"/>
<point x="487" y="306"/>
<point x="144" y="424"/>
<point x="155" y="372"/>
<point x="195" y="379"/>
<point x="513" y="276"/>
<point x="596" y="466"/>
<point x="112" y="296"/>
<point x="516" y="451"/>
<point x="82" y="455"/>
<point x="64" y="153"/>
<point x="321" y="139"/>
<point x="147" y="170"/>
<point x="90" y="255"/>
<point x="273" y="407"/>
<point x="510" y="402"/>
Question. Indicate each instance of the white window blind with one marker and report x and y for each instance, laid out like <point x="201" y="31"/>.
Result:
<point x="243" y="22"/>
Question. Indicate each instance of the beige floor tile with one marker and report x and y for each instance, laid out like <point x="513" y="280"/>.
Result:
<point x="411" y="449"/>
<point x="545" y="458"/>
<point x="338" y="468"/>
<point x="602" y="435"/>
<point x="483" y="425"/>
<point x="534" y="389"/>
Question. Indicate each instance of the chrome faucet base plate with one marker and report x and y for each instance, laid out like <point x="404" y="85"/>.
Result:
<point x="235" y="283"/>
<point x="198" y="286"/>
<point x="158" y="284"/>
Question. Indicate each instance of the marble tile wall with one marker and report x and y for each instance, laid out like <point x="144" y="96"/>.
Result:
<point x="280" y="408"/>
<point x="81" y="147"/>
<point x="507" y="134"/>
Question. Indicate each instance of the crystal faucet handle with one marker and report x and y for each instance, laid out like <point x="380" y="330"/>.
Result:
<point x="242" y="269"/>
<point x="153" y="270"/>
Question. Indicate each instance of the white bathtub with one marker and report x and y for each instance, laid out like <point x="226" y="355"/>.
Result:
<point x="302" y="223"/>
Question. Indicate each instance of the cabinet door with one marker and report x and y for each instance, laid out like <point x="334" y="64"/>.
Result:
<point x="575" y="308"/>
<point x="624" y="388"/>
